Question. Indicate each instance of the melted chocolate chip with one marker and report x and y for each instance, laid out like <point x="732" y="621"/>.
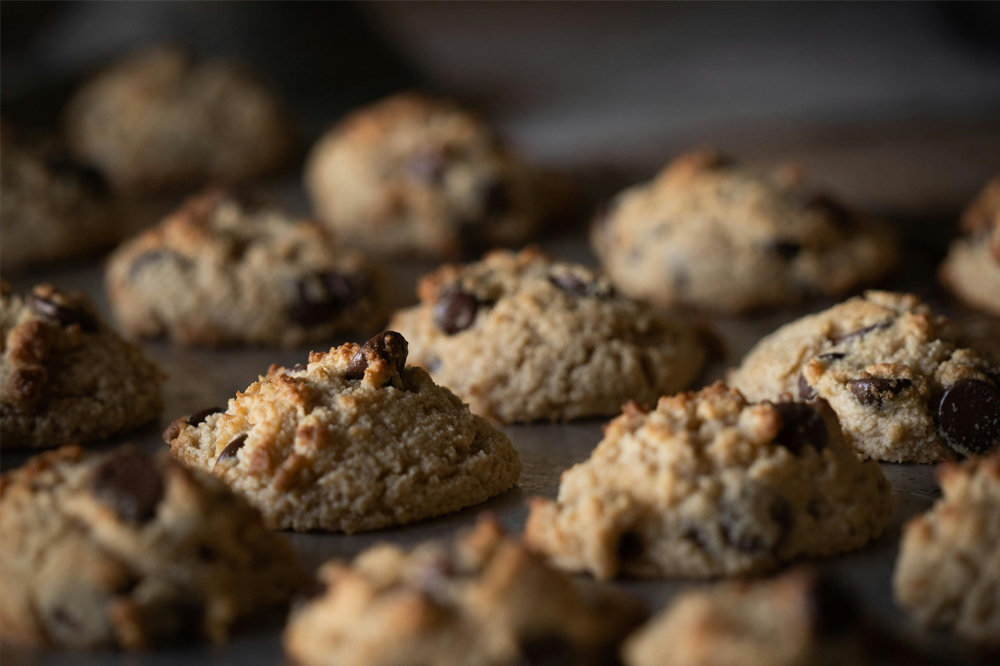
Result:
<point x="89" y="177"/>
<point x="198" y="418"/>
<point x="873" y="391"/>
<point x="801" y="426"/>
<point x="831" y="356"/>
<point x="65" y="316"/>
<point x="970" y="417"/>
<point x="299" y="367"/>
<point x="232" y="447"/>
<point x="630" y="546"/>
<point x="805" y="391"/>
<point x="861" y="332"/>
<point x="455" y="310"/>
<point x="786" y="249"/>
<point x="323" y="296"/>
<point x="390" y="346"/>
<point x="130" y="484"/>
<point x="547" y="650"/>
<point x="571" y="283"/>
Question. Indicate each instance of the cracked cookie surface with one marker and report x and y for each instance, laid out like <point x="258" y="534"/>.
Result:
<point x="353" y="440"/>
<point x="972" y="268"/>
<point x="522" y="337"/>
<point x="228" y="269"/>
<point x="715" y="235"/>
<point x="120" y="549"/>
<point x="707" y="485"/>
<point x="894" y="372"/>
<point x="67" y="377"/>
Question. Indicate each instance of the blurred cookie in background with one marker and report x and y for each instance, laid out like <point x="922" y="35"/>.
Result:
<point x="972" y="268"/>
<point x="718" y="235"/>
<point x="157" y="121"/>
<point x="416" y="175"/>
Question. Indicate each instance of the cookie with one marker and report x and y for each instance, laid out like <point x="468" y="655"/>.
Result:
<point x="67" y="377"/>
<point x="715" y="235"/>
<point x="797" y="619"/>
<point x="227" y="269"/>
<point x="124" y="550"/>
<point x="948" y="571"/>
<point x="708" y="484"/>
<point x="521" y="337"/>
<point x="157" y="121"/>
<point x="415" y="175"/>
<point x="51" y="206"/>
<point x="352" y="440"/>
<point x="972" y="268"/>
<point x="482" y="600"/>
<point x="893" y="371"/>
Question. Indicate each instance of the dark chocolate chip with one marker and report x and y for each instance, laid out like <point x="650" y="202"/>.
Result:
<point x="630" y="546"/>
<point x="299" y="367"/>
<point x="786" y="249"/>
<point x="547" y="650"/>
<point x="801" y="426"/>
<point x="970" y="417"/>
<point x="749" y="538"/>
<point x="427" y="166"/>
<point x="831" y="610"/>
<point x="323" y="296"/>
<point x="873" y="391"/>
<point x="89" y="177"/>
<point x="232" y="447"/>
<point x="199" y="417"/>
<point x="65" y="316"/>
<point x="570" y="283"/>
<point x="831" y="356"/>
<point x="390" y="346"/>
<point x="861" y="332"/>
<point x="455" y="310"/>
<point x="805" y="391"/>
<point x="128" y="482"/>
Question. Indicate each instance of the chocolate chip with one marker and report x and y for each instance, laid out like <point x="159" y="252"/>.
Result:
<point x="861" y="332"/>
<point x="873" y="391"/>
<point x="696" y="536"/>
<point x="427" y="166"/>
<point x="801" y="426"/>
<point x="232" y="447"/>
<point x="323" y="296"/>
<point x="198" y="418"/>
<point x="805" y="391"/>
<point x="128" y="482"/>
<point x="831" y="610"/>
<point x="831" y="356"/>
<point x="786" y="249"/>
<point x="547" y="650"/>
<point x="455" y="310"/>
<point x="749" y="537"/>
<point x="89" y="177"/>
<point x="630" y="546"/>
<point x="571" y="283"/>
<point x="390" y="346"/>
<point x="970" y="417"/>
<point x="65" y="316"/>
<point x="299" y="367"/>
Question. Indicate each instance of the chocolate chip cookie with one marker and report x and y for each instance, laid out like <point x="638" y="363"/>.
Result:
<point x="712" y="234"/>
<point x="68" y="378"/>
<point x="894" y="372"/>
<point x="228" y="269"/>
<point x="482" y="600"/>
<point x="948" y="571"/>
<point x="415" y="175"/>
<point x="521" y="337"/>
<point x="156" y="121"/>
<point x="708" y="484"/>
<point x="352" y="440"/>
<point x="972" y="268"/>
<point x="124" y="550"/>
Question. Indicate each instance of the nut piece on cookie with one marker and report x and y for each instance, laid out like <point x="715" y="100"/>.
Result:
<point x="800" y="618"/>
<point x="717" y="235"/>
<point x="66" y="376"/>
<point x="354" y="440"/>
<point x="707" y="485"/>
<point x="948" y="571"/>
<point x="226" y="268"/>
<point x="156" y="121"/>
<point x="483" y="599"/>
<point x="972" y="268"/>
<point x="893" y="371"/>
<point x="416" y="175"/>
<point x="521" y="337"/>
<point x="124" y="550"/>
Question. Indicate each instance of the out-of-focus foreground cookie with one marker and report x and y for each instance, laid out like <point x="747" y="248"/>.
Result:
<point x="716" y="235"/>
<point x="66" y="376"/>
<point x="351" y="441"/>
<point x="123" y="550"/>
<point x="521" y="337"/>
<point x="708" y="484"/>
<point x="156" y="121"/>
<point x="893" y="371"/>
<point x="972" y="269"/>
<point x="415" y="175"/>
<point x="227" y="269"/>
<point x="481" y="601"/>
<point x="948" y="572"/>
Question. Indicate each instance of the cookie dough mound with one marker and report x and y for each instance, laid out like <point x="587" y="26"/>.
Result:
<point x="708" y="484"/>
<point x="892" y="370"/>
<point x="715" y="235"/>
<point x="972" y="268"/>
<point x="156" y="121"/>
<point x="227" y="269"/>
<point x="948" y="572"/>
<point x="351" y="441"/>
<point x="67" y="378"/>
<point x="52" y="207"/>
<point x="414" y="175"/>
<point x="521" y="337"/>
<point x="481" y="601"/>
<point x="797" y="619"/>
<point x="123" y="550"/>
